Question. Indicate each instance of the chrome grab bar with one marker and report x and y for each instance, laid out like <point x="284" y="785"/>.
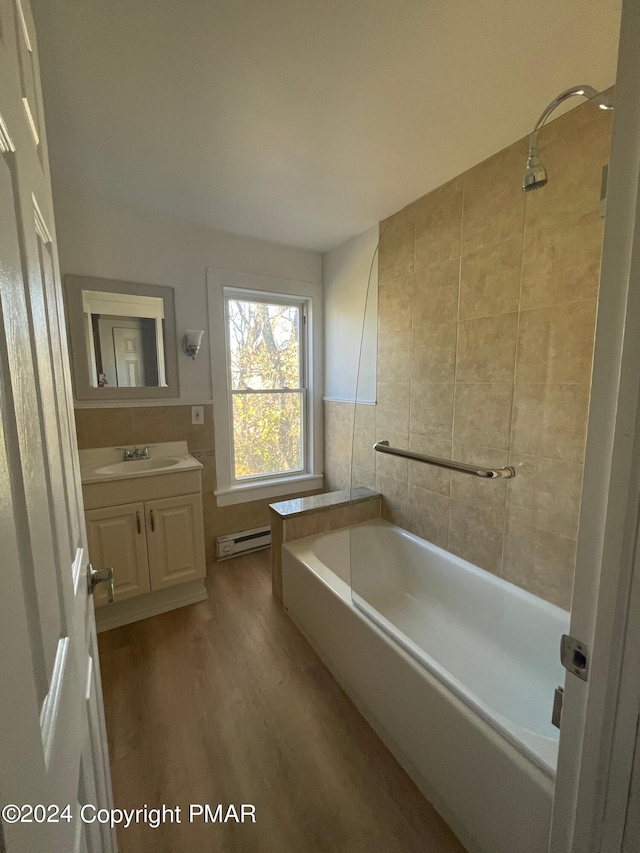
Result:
<point x="476" y="470"/>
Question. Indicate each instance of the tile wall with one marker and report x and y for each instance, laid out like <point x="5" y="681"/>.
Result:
<point x="487" y="304"/>
<point x="152" y="424"/>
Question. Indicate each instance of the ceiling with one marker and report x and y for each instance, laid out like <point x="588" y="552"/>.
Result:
<point x="300" y="121"/>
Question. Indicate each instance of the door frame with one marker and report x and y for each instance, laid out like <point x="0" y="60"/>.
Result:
<point x="600" y="716"/>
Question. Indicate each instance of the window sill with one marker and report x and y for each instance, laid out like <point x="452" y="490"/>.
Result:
<point x="238" y="494"/>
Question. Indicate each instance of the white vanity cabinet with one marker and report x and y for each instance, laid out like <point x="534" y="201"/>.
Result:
<point x="116" y="536"/>
<point x="145" y="521"/>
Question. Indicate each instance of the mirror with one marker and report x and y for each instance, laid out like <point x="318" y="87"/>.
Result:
<point x="123" y="339"/>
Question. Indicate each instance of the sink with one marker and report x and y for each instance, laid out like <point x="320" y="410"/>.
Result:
<point x="136" y="466"/>
<point x="102" y="464"/>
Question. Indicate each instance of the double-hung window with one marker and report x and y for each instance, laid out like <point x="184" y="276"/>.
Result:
<point x="265" y="386"/>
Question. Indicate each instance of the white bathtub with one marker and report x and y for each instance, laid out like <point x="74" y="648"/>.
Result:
<point x="453" y="667"/>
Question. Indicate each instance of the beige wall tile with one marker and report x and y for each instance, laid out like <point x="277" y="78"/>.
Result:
<point x="343" y="516"/>
<point x="438" y="221"/>
<point x="482" y="414"/>
<point x="487" y="349"/>
<point x="154" y="424"/>
<point x="561" y="263"/>
<point x="337" y="475"/>
<point x="432" y="409"/>
<point x="550" y="421"/>
<point x="393" y="466"/>
<point x="394" y="356"/>
<point x="277" y="538"/>
<point x="539" y="561"/>
<point x="365" y="416"/>
<point x="364" y="456"/>
<point x="429" y="476"/>
<point x="478" y="491"/>
<point x="363" y="477"/>
<point x="546" y="494"/>
<point x="435" y="296"/>
<point x="338" y="430"/>
<point x="428" y="515"/>
<point x="394" y="504"/>
<point x="493" y="199"/>
<point x="490" y="279"/>
<point x="108" y="427"/>
<point x="393" y="407"/>
<point x="397" y="238"/>
<point x="307" y="525"/>
<point x="574" y="148"/>
<point x="395" y="305"/>
<point x="433" y="356"/>
<point x="556" y="344"/>
<point x="475" y="534"/>
<point x="197" y="436"/>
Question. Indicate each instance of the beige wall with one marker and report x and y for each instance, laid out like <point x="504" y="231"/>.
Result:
<point x="487" y="304"/>
<point x="151" y="424"/>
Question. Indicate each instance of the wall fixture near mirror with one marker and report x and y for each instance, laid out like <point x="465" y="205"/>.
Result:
<point x="123" y="339"/>
<point x="191" y="342"/>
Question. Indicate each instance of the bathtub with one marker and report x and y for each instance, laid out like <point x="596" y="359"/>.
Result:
<point x="453" y="667"/>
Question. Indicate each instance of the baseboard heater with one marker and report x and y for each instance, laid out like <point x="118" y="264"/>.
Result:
<point x="243" y="542"/>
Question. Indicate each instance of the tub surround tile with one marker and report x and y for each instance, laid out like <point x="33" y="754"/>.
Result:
<point x="393" y="407"/>
<point x="494" y="203"/>
<point x="429" y="476"/>
<point x="486" y="324"/>
<point x="394" y="499"/>
<point x="487" y="349"/>
<point x="435" y="296"/>
<point x="490" y="280"/>
<point x="277" y="540"/>
<point x="308" y="524"/>
<point x="546" y="494"/>
<point x="395" y="305"/>
<point x="427" y="515"/>
<point x="574" y="150"/>
<point x="539" y="561"/>
<point x="482" y="414"/>
<point x="555" y="345"/>
<point x="394" y="356"/>
<point x="356" y="513"/>
<point x="433" y="356"/>
<point x="475" y="534"/>
<point x="550" y="421"/>
<point x="365" y="416"/>
<point x="477" y="491"/>
<point x="561" y="263"/>
<point x="431" y="409"/>
<point x="396" y="247"/>
<point x="438" y="225"/>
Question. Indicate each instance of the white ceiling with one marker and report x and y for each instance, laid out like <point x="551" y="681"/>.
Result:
<point x="300" y="121"/>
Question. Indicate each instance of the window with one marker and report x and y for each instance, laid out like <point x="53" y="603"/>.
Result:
<point x="265" y="345"/>
<point x="265" y="366"/>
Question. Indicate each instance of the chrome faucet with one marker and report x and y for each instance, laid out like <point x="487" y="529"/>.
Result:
<point x="136" y="453"/>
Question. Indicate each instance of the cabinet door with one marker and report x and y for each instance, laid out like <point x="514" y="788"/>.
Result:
<point x="117" y="538"/>
<point x="175" y="536"/>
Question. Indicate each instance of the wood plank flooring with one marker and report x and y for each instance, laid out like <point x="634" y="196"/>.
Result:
<point x="225" y="702"/>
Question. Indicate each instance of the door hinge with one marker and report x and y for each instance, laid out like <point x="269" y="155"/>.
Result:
<point x="556" y="714"/>
<point x="574" y="656"/>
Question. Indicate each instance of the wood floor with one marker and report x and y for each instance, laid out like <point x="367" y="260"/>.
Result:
<point x="225" y="702"/>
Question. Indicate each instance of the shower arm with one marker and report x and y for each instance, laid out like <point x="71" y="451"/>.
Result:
<point x="587" y="92"/>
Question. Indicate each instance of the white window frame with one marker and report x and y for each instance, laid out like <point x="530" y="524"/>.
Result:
<point x="309" y="296"/>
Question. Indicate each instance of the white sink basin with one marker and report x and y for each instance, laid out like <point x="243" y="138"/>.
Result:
<point x="137" y="466"/>
<point x="105" y="463"/>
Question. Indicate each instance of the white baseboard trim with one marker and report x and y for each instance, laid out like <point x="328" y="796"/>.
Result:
<point x="152" y="604"/>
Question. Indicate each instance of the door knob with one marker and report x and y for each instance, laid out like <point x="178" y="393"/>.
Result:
<point x="96" y="576"/>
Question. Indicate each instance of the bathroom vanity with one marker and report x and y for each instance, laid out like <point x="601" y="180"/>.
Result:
<point x="144" y="519"/>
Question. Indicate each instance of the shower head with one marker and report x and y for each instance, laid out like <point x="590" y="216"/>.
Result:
<point x="535" y="175"/>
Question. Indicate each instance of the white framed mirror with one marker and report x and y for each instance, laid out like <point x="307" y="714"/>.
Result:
<point x="123" y="339"/>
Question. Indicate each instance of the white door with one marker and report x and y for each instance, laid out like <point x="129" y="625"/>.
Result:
<point x="601" y="714"/>
<point x="52" y="735"/>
